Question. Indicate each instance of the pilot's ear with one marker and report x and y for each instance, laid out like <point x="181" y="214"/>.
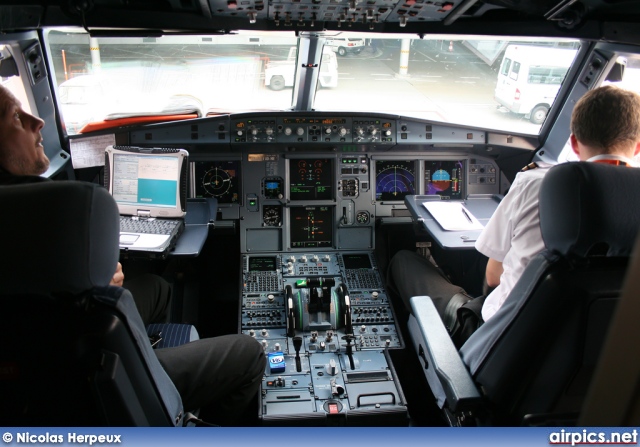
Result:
<point x="574" y="144"/>
<point x="637" y="151"/>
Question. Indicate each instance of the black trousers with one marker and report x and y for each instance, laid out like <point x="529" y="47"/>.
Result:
<point x="410" y="275"/>
<point x="220" y="375"/>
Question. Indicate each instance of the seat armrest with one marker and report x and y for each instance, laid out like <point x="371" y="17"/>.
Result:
<point x="446" y="373"/>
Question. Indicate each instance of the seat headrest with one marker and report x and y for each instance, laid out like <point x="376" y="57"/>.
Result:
<point x="57" y="237"/>
<point x="585" y="206"/>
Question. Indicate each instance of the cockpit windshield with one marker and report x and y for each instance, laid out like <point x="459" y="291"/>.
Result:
<point x="488" y="82"/>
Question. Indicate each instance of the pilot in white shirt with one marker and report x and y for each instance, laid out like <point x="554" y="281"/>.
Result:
<point x="513" y="235"/>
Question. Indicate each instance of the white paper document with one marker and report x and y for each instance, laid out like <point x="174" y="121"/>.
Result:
<point x="452" y="216"/>
<point x="87" y="152"/>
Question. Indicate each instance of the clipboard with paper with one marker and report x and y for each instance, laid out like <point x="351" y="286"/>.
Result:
<point x="452" y="216"/>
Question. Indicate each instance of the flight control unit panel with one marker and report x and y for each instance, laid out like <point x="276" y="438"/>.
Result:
<point x="326" y="325"/>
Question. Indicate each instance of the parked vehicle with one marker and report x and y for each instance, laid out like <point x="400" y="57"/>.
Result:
<point x="281" y="74"/>
<point x="344" y="45"/>
<point x="530" y="77"/>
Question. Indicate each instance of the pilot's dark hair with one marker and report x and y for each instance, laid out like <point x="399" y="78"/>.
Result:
<point x="607" y="119"/>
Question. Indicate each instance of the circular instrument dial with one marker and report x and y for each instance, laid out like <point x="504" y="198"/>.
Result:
<point x="271" y="216"/>
<point x="362" y="217"/>
<point x="216" y="182"/>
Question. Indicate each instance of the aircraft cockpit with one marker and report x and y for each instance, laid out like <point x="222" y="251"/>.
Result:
<point x="323" y="137"/>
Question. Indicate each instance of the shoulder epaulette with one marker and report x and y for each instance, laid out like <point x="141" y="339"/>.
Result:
<point x="529" y="167"/>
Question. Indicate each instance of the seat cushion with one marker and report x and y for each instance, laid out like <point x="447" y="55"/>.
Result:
<point x="172" y="334"/>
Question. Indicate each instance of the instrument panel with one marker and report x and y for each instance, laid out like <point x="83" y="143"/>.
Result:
<point x="331" y="201"/>
<point x="295" y="182"/>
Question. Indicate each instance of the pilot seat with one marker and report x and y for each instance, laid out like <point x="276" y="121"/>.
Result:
<point x="532" y="362"/>
<point x="75" y="351"/>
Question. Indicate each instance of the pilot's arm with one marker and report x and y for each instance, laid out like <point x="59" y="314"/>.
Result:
<point x="493" y="272"/>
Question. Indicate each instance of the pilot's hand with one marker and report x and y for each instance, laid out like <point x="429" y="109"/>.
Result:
<point x="118" y="277"/>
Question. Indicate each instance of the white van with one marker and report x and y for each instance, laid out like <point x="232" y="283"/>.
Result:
<point x="530" y="77"/>
<point x="344" y="45"/>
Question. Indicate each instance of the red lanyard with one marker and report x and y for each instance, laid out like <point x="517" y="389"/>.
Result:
<point x="611" y="162"/>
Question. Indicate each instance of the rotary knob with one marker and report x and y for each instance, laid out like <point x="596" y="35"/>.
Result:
<point x="287" y="130"/>
<point x="342" y="131"/>
<point x="300" y="131"/>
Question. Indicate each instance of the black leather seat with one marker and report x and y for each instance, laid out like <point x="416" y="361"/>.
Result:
<point x="74" y="349"/>
<point x="532" y="362"/>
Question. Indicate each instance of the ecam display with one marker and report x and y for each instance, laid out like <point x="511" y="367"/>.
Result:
<point x="311" y="179"/>
<point x="311" y="226"/>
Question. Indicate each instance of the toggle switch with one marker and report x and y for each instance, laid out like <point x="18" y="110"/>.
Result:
<point x="332" y="370"/>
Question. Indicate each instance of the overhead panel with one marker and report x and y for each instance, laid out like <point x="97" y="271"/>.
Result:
<point x="253" y="10"/>
<point x="422" y="10"/>
<point x="345" y="12"/>
<point x="341" y="11"/>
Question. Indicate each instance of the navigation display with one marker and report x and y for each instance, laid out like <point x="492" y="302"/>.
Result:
<point x="395" y="179"/>
<point x="311" y="179"/>
<point x="311" y="226"/>
<point x="219" y="179"/>
<point x="444" y="178"/>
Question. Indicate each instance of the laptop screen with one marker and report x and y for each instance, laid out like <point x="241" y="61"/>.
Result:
<point x="145" y="180"/>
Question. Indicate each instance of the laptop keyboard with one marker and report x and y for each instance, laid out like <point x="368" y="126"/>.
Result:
<point x="129" y="225"/>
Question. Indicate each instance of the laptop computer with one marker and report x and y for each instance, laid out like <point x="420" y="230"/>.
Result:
<point x="150" y="187"/>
